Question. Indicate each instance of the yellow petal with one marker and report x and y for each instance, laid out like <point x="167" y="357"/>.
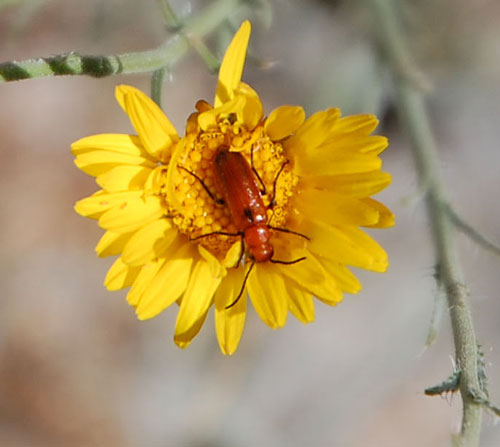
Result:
<point x="229" y="323"/>
<point x="232" y="65"/>
<point x="132" y="214"/>
<point x="335" y="163"/>
<point x="120" y="275"/>
<point x="124" y="178"/>
<point x="155" y="183"/>
<point x="208" y="120"/>
<point x="344" y="277"/>
<point x="183" y="340"/>
<point x="155" y="130"/>
<point x="372" y="145"/>
<point x="111" y="243"/>
<point x="310" y="275"/>
<point x="345" y="244"/>
<point x="356" y="124"/>
<point x="111" y="142"/>
<point x="99" y="162"/>
<point x="233" y="255"/>
<point x="313" y="132"/>
<point x="197" y="297"/>
<point x="363" y="184"/>
<point x="173" y="172"/>
<point x="284" y="121"/>
<point x="100" y="202"/>
<point x="335" y="209"/>
<point x="300" y="303"/>
<point x="144" y="278"/>
<point x="149" y="242"/>
<point x="216" y="267"/>
<point x="167" y="286"/>
<point x="375" y="146"/>
<point x="252" y="111"/>
<point x="267" y="291"/>
<point x="386" y="218"/>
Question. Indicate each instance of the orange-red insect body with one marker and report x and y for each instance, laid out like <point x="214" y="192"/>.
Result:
<point x="237" y="184"/>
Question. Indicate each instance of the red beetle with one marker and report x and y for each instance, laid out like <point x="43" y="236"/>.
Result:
<point x="237" y="182"/>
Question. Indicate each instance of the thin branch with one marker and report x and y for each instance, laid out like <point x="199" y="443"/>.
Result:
<point x="470" y="231"/>
<point x="169" y="15"/>
<point x="4" y="3"/>
<point x="450" y="385"/>
<point x="157" y="85"/>
<point x="437" y="315"/>
<point x="413" y="115"/>
<point x="128" y="63"/>
<point x="174" y="23"/>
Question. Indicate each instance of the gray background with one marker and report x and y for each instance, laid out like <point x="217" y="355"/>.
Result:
<point x="77" y="368"/>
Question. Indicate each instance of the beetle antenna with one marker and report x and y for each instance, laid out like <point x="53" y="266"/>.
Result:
<point x="220" y="233"/>
<point x="271" y="203"/>
<point x="242" y="287"/>
<point x="276" y="261"/>
<point x="286" y="230"/>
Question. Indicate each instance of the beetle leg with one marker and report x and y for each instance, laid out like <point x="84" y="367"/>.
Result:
<point x="219" y="201"/>
<point x="242" y="286"/>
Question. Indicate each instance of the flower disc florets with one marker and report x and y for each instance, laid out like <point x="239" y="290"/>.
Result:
<point x="198" y="210"/>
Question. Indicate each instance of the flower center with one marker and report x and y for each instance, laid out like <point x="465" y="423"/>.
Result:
<point x="199" y="211"/>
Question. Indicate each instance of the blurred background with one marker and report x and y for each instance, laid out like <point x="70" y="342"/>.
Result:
<point x="78" y="368"/>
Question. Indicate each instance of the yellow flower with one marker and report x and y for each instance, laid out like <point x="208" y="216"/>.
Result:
<point x="182" y="214"/>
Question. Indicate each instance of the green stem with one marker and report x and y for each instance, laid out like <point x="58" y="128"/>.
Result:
<point x="194" y="40"/>
<point x="471" y="232"/>
<point x="157" y="85"/>
<point x="414" y="116"/>
<point x="169" y="15"/>
<point x="140" y="62"/>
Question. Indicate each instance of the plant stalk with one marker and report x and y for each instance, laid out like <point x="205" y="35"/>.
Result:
<point x="414" y="117"/>
<point x="128" y="63"/>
